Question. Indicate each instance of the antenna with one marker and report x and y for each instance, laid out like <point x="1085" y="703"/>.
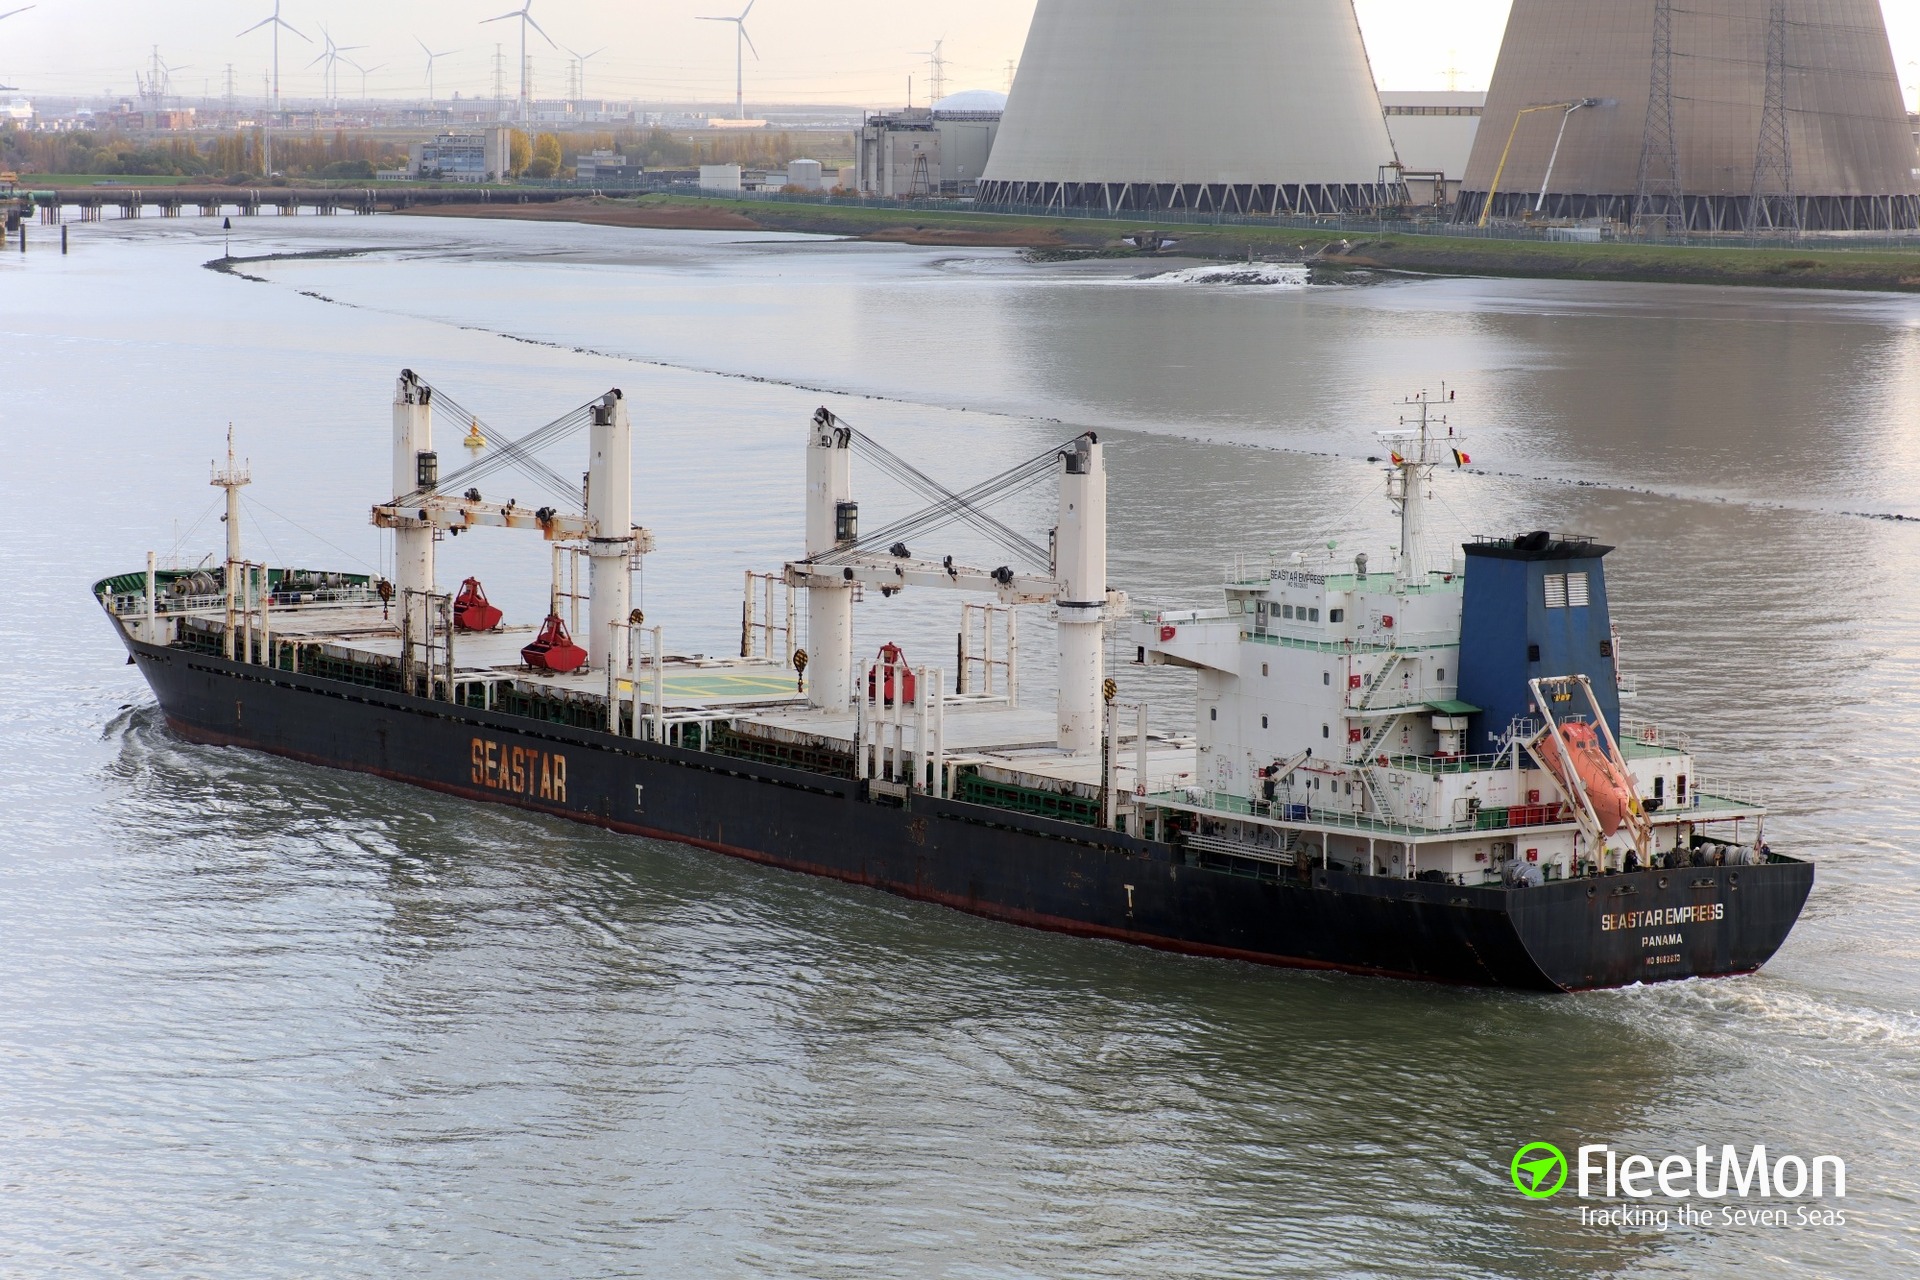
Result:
<point x="1413" y="451"/>
<point x="525" y="14"/>
<point x="739" y="58"/>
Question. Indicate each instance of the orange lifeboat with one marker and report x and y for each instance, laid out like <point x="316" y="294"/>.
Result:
<point x="1608" y="788"/>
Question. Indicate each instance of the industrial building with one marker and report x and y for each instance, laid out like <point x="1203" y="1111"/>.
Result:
<point x="1433" y="132"/>
<point x="1237" y="105"/>
<point x="486" y="155"/>
<point x="940" y="150"/>
<point x="1745" y="115"/>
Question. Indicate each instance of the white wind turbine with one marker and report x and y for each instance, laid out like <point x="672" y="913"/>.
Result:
<point x="364" y="73"/>
<point x="431" y="55"/>
<point x="580" y="72"/>
<point x="739" y="57"/>
<point x="276" y="22"/>
<point x="8" y="14"/>
<point x="525" y="14"/>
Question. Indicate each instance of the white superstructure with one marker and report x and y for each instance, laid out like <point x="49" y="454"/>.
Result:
<point x="1332" y="731"/>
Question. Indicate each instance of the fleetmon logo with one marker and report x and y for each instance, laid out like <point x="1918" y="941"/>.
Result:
<point x="1539" y="1169"/>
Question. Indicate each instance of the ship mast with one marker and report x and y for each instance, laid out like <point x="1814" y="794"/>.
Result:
<point x="1413" y="451"/>
<point x="238" y="598"/>
<point x="235" y="478"/>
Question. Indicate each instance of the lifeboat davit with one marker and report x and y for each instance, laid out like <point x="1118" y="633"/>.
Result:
<point x="471" y="611"/>
<point x="1608" y="788"/>
<point x="554" y="649"/>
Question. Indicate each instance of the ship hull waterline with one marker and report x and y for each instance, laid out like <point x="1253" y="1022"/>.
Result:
<point x="1610" y="931"/>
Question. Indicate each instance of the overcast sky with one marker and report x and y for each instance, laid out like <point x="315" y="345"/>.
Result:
<point x="839" y="51"/>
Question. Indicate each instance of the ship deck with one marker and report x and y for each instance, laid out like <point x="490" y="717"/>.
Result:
<point x="1013" y="743"/>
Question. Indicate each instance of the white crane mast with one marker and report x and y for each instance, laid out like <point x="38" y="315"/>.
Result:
<point x="415" y="469"/>
<point x="830" y="523"/>
<point x="611" y="544"/>
<point x="1080" y="566"/>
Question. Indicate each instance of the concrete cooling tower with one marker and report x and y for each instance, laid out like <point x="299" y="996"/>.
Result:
<point x="1250" y="106"/>
<point x="1741" y="115"/>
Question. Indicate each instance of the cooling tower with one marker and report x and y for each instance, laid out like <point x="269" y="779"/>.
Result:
<point x="1253" y="106"/>
<point x="1780" y="113"/>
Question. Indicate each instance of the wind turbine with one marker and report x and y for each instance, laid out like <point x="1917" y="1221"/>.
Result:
<point x="431" y="55"/>
<point x="8" y="88"/>
<point x="333" y="57"/>
<point x="525" y="14"/>
<point x="580" y="62"/>
<point x="739" y="58"/>
<point x="364" y="73"/>
<point x="276" y="22"/>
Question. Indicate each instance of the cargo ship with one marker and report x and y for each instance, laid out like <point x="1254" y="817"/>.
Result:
<point x="1415" y="767"/>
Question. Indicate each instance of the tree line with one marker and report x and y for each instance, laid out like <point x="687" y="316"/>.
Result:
<point x="240" y="155"/>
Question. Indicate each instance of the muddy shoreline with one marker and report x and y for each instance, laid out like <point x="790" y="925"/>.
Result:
<point x="1896" y="269"/>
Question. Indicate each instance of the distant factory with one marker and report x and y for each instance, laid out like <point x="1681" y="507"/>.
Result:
<point x="1240" y="106"/>
<point x="940" y="150"/>
<point x="1747" y="115"/>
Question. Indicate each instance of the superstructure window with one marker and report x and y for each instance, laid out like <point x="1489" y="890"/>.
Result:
<point x="1336" y="615"/>
<point x="1286" y="611"/>
<point x="1577" y="596"/>
<point x="1556" y="590"/>
<point x="1313" y="615"/>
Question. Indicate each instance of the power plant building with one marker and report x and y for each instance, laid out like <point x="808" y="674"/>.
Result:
<point x="1247" y="106"/>
<point x="940" y="150"/>
<point x="1742" y="115"/>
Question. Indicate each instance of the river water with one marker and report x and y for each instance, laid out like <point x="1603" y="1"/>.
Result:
<point x="260" y="1019"/>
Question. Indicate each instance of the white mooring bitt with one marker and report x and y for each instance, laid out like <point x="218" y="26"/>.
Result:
<point x="1080" y="566"/>
<point x="415" y="471"/>
<point x="610" y="547"/>
<point x="829" y="607"/>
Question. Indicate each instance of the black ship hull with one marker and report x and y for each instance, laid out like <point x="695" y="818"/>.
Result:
<point x="1565" y="935"/>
